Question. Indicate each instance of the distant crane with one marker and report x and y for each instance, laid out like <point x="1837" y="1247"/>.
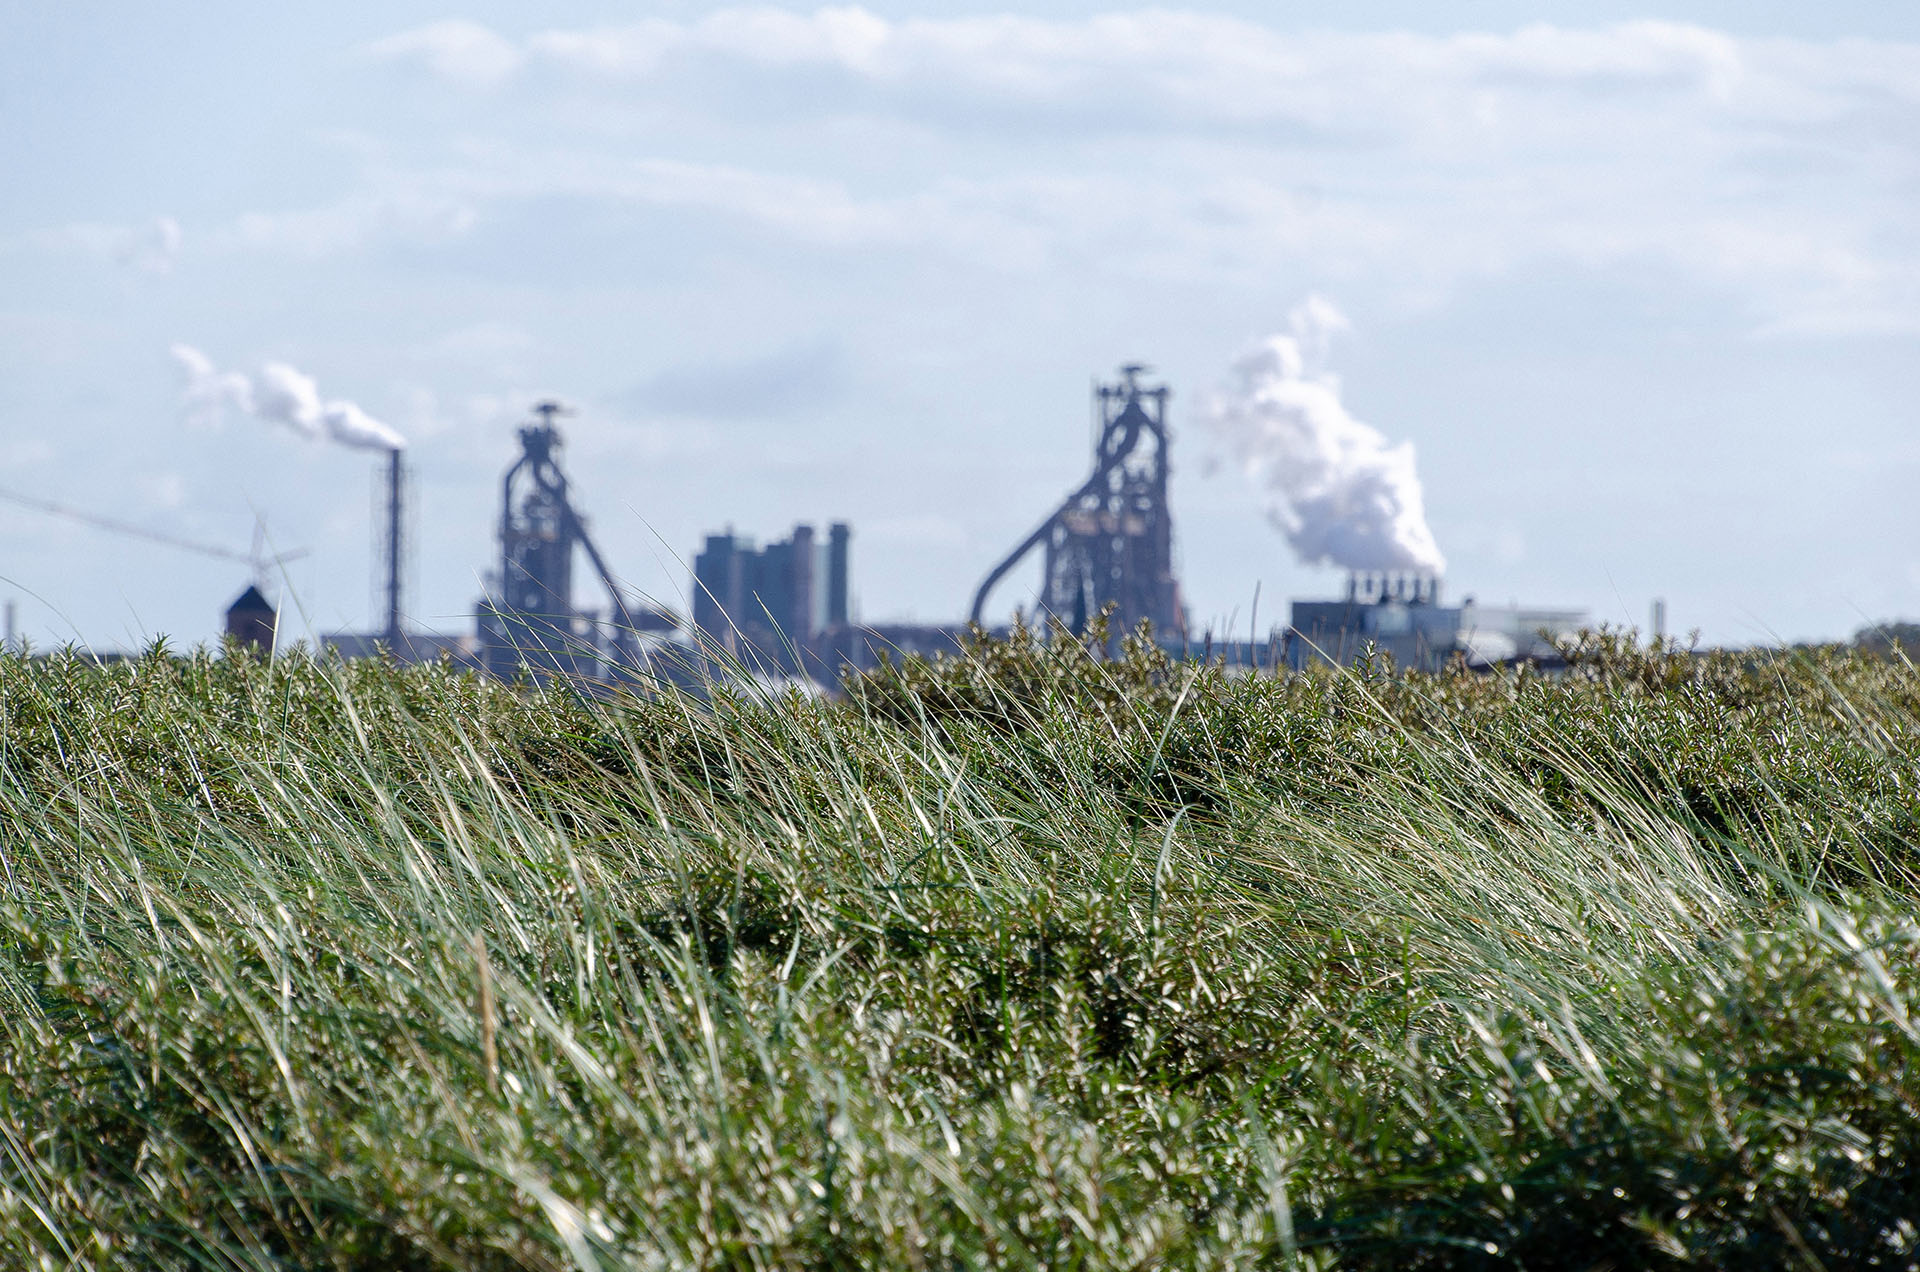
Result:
<point x="256" y="560"/>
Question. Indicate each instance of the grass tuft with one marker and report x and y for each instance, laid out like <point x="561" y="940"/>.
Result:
<point x="1019" y="958"/>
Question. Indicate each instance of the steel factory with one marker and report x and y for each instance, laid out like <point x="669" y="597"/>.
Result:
<point x="781" y="612"/>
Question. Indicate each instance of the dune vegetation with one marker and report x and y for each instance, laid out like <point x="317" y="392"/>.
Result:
<point x="1021" y="959"/>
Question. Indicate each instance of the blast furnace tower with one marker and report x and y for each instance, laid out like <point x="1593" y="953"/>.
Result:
<point x="530" y="621"/>
<point x="1111" y="541"/>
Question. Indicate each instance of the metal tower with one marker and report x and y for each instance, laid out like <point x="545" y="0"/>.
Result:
<point x="391" y="548"/>
<point x="535" y="623"/>
<point x="1111" y="541"/>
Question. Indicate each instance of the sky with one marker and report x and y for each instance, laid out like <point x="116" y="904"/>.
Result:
<point x="1638" y="283"/>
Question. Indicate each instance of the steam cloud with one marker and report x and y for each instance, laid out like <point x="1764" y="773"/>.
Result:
<point x="279" y="394"/>
<point x="1334" y="487"/>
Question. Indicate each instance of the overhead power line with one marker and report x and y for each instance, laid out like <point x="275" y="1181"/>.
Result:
<point x="256" y="560"/>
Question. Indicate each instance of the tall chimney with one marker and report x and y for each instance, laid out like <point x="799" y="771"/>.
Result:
<point x="396" y="547"/>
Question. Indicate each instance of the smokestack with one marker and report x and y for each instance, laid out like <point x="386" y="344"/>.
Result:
<point x="838" y="535"/>
<point x="8" y="646"/>
<point x="1659" y="620"/>
<point x="396" y="494"/>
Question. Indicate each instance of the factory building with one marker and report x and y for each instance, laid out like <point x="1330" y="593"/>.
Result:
<point x="783" y="610"/>
<point x="1402" y="617"/>
<point x="770" y="607"/>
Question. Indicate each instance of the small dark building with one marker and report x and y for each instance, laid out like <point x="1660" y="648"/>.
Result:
<point x="251" y="620"/>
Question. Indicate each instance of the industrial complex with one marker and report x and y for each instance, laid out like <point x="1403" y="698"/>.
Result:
<point x="781" y="610"/>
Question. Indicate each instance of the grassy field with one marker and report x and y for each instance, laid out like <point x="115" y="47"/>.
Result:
<point x="1021" y="960"/>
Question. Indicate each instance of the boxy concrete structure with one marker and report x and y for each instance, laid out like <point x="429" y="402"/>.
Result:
<point x="769" y="606"/>
<point x="1402" y="617"/>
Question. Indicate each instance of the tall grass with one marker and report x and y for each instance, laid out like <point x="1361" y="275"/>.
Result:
<point x="1019" y="959"/>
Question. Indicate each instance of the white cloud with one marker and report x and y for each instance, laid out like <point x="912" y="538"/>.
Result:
<point x="210" y="392"/>
<point x="152" y="247"/>
<point x="1201" y="67"/>
<point x="287" y="395"/>
<point x="464" y="52"/>
<point x="403" y="214"/>
<point x="1208" y="148"/>
<point x="24" y="453"/>
<point x="484" y="343"/>
<point x="164" y="489"/>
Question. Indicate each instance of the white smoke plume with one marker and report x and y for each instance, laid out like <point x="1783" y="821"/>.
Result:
<point x="284" y="395"/>
<point x="350" y="426"/>
<point x="210" y="393"/>
<point x="1334" y="486"/>
<point x="279" y="394"/>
